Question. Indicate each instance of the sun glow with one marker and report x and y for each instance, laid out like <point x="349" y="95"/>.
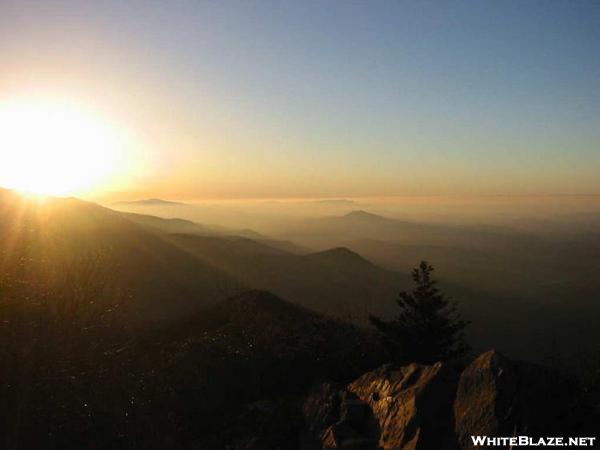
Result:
<point x="54" y="147"/>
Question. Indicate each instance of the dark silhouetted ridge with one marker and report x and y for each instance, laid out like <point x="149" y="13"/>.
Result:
<point x="263" y="302"/>
<point x="333" y="282"/>
<point x="341" y="255"/>
<point x="170" y="225"/>
<point x="272" y="325"/>
<point x="361" y="214"/>
<point x="252" y="312"/>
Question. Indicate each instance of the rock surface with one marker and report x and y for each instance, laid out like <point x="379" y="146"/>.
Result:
<point x="499" y="397"/>
<point x="485" y="399"/>
<point x="424" y="407"/>
<point x="410" y="404"/>
<point x="437" y="407"/>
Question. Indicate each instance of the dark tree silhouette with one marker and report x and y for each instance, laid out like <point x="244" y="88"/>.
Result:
<point x="428" y="327"/>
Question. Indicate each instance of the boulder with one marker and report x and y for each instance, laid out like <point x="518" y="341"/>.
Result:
<point x="437" y="407"/>
<point x="485" y="399"/>
<point x="335" y="419"/>
<point x="355" y="413"/>
<point x="499" y="397"/>
<point x="342" y="436"/>
<point x="321" y="408"/>
<point x="411" y="405"/>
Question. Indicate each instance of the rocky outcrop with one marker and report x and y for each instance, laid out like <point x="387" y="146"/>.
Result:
<point x="419" y="407"/>
<point x="485" y="399"/>
<point x="322" y="408"/>
<point x="424" y="407"/>
<point x="499" y="397"/>
<point x="410" y="404"/>
<point x="335" y="418"/>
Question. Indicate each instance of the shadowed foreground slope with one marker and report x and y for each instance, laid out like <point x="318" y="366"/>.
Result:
<point x="239" y="375"/>
<point x="94" y="384"/>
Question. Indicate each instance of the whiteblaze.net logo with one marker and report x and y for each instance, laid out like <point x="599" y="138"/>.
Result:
<point x="527" y="441"/>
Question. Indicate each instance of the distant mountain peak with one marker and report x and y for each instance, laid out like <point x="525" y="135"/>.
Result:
<point x="255" y="309"/>
<point x="257" y="298"/>
<point x="362" y="214"/>
<point x="340" y="254"/>
<point x="149" y="202"/>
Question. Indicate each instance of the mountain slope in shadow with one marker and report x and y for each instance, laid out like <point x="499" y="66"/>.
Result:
<point x="55" y="244"/>
<point x="533" y="292"/>
<point x="183" y="226"/>
<point x="71" y="244"/>
<point x="337" y="282"/>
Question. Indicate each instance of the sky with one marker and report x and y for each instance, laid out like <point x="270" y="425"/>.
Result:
<point x="265" y="99"/>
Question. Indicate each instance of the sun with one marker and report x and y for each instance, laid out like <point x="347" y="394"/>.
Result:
<point x="53" y="147"/>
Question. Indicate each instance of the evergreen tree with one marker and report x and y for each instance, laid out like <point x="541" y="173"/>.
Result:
<point x="428" y="328"/>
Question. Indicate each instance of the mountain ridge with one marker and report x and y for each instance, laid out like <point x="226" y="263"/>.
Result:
<point x="172" y="274"/>
<point x="148" y="202"/>
<point x="49" y="241"/>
